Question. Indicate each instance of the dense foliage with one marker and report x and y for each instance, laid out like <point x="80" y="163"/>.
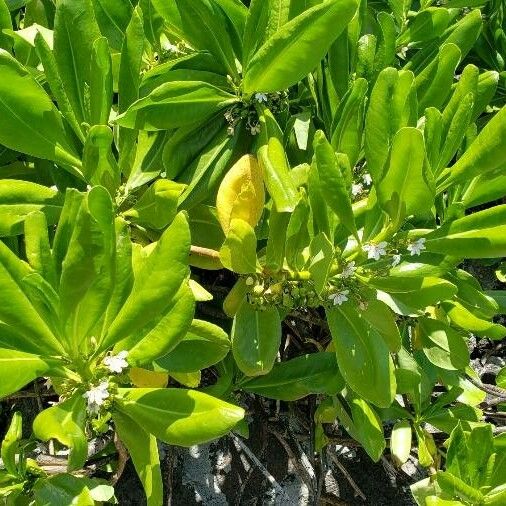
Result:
<point x="340" y="158"/>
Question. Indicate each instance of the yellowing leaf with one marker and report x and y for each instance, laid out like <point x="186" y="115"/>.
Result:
<point x="241" y="193"/>
<point x="143" y="378"/>
<point x="187" y="379"/>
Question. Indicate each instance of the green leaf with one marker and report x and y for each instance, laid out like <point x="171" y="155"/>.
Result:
<point x="156" y="283"/>
<point x="158" y="205"/>
<point x="10" y="444"/>
<point x="17" y="311"/>
<point x="467" y="320"/>
<point x="129" y="78"/>
<point x="162" y="333"/>
<point x="113" y="17"/>
<point x="442" y="345"/>
<point x="400" y="442"/>
<point x="273" y="160"/>
<point x="29" y="121"/>
<point x="407" y="187"/>
<point x="86" y="276"/>
<point x="204" y="345"/>
<point x="17" y="369"/>
<point x="178" y="416"/>
<point x="485" y="154"/>
<point x="143" y="450"/>
<point x="332" y="179"/>
<point x="275" y="249"/>
<point x="46" y="57"/>
<point x="100" y="82"/>
<point x="175" y="104"/>
<point x="99" y="165"/>
<point x="368" y="427"/>
<point x="392" y="106"/>
<point x="478" y="235"/>
<point x="362" y="355"/>
<point x="20" y="198"/>
<point x="75" y="31"/>
<point x="433" y="84"/>
<point x="379" y="315"/>
<point x="66" y="423"/>
<point x="297" y="48"/>
<point x="205" y="26"/>
<point x="238" y="252"/>
<point x="416" y="293"/>
<point x="316" y="373"/>
<point x="67" y="489"/>
<point x="457" y="488"/>
<point x="426" y="25"/>
<point x="256" y="336"/>
<point x="297" y="234"/>
<point x="321" y="257"/>
<point x="348" y="123"/>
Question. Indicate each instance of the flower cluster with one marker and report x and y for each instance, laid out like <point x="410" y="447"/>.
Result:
<point x="377" y="250"/>
<point x="100" y="393"/>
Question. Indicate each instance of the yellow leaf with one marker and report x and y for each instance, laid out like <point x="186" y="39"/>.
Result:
<point x="241" y="194"/>
<point x="188" y="379"/>
<point x="143" y="378"/>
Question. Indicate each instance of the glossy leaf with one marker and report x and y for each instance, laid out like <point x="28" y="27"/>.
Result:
<point x="362" y="356"/>
<point x="333" y="182"/>
<point x="66" y="423"/>
<point x="175" y="104"/>
<point x="256" y="336"/>
<point x="154" y="285"/>
<point x="296" y="49"/>
<point x="29" y="121"/>
<point x="294" y="379"/>
<point x="238" y="252"/>
<point x="75" y="32"/>
<point x="178" y="416"/>
<point x="143" y="450"/>
<point x="407" y="187"/>
<point x="18" y="369"/>
<point x="204" y="345"/>
<point x="19" y="198"/>
<point x="478" y="235"/>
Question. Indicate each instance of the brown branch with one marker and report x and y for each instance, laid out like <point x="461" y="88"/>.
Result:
<point x="493" y="390"/>
<point x="123" y="457"/>
<point x="347" y="475"/>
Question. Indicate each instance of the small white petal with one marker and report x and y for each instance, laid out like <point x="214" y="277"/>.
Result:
<point x="356" y="189"/>
<point x="367" y="179"/>
<point x="396" y="260"/>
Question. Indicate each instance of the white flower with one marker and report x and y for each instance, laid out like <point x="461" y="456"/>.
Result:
<point x="375" y="251"/>
<point x="88" y="187"/>
<point x="250" y="281"/>
<point x="348" y="270"/>
<point x="396" y="260"/>
<point x="339" y="298"/>
<point x="356" y="189"/>
<point x="116" y="363"/>
<point x="261" y="97"/>
<point x="255" y="129"/>
<point x="97" y="396"/>
<point x="415" y="248"/>
<point x="367" y="179"/>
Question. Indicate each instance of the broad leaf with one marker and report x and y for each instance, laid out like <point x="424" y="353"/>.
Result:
<point x="297" y="48"/>
<point x="256" y="336"/>
<point x="178" y="416"/>
<point x="294" y="379"/>
<point x="29" y="121"/>
<point x="362" y="355"/>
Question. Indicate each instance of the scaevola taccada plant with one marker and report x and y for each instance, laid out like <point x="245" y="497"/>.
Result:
<point x="344" y="159"/>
